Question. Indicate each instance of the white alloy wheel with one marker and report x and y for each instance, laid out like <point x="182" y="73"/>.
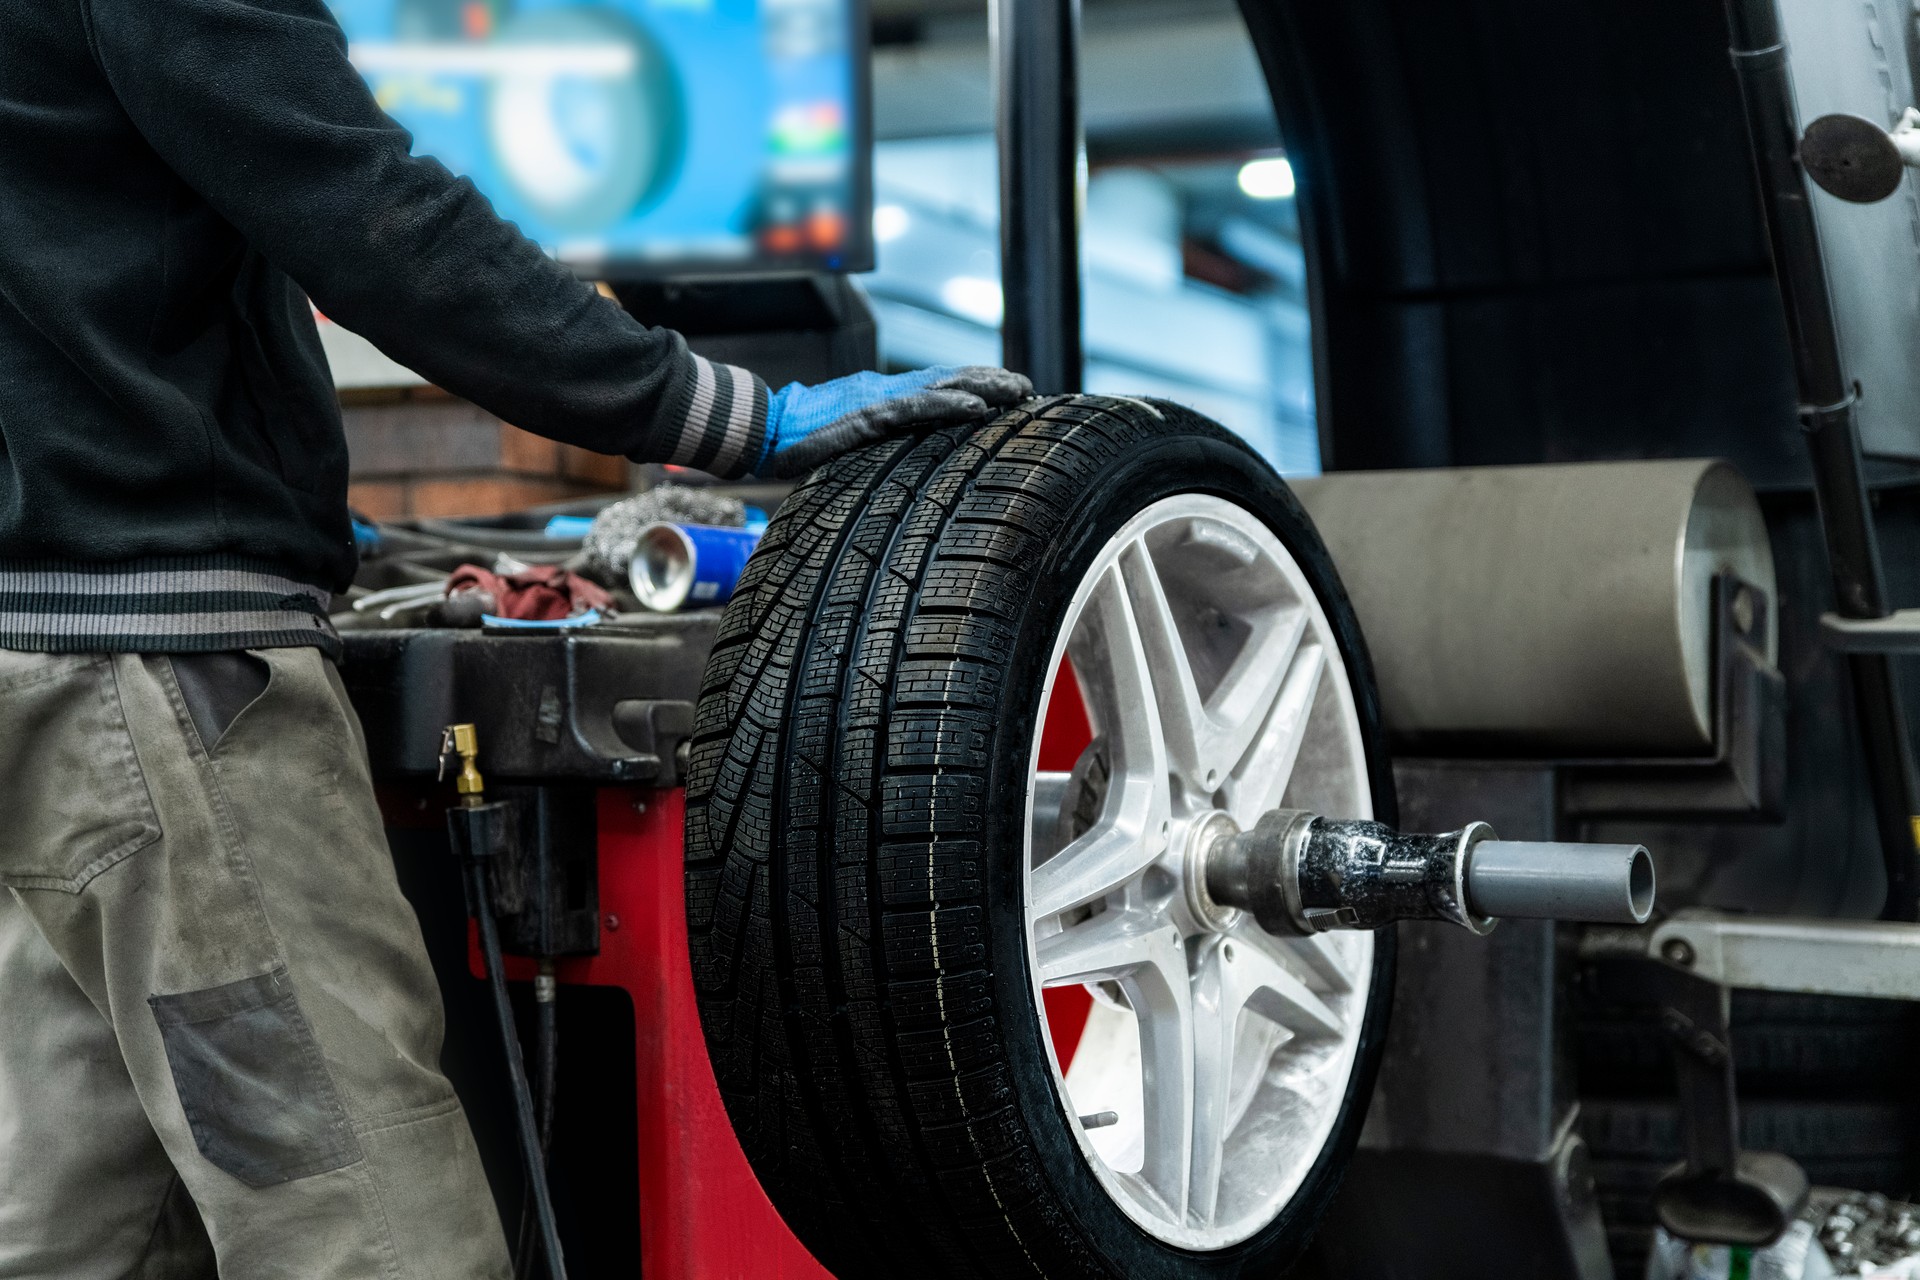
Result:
<point x="1216" y="1058"/>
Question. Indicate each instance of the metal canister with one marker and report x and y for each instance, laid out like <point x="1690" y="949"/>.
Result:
<point x="675" y="565"/>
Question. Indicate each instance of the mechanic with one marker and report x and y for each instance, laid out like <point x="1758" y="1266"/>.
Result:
<point x="219" y="1034"/>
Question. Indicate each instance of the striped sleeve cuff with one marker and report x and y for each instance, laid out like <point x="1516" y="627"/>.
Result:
<point x="716" y="419"/>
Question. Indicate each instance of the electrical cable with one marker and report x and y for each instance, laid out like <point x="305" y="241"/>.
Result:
<point x="546" y="1051"/>
<point x="546" y="1068"/>
<point x="479" y="831"/>
<point x="525" y="1124"/>
<point x="523" y="1241"/>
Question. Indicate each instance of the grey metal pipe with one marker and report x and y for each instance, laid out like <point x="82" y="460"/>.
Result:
<point x="1553" y="880"/>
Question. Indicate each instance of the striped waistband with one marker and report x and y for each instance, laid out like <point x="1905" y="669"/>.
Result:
<point x="188" y="604"/>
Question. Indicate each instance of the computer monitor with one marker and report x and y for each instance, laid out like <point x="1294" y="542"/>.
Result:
<point x="642" y="138"/>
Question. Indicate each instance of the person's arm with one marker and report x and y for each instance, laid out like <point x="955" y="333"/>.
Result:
<point x="255" y="105"/>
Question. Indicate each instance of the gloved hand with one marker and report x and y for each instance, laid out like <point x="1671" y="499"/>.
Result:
<point x="808" y="425"/>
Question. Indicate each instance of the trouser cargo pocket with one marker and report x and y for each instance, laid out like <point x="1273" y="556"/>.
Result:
<point x="252" y="1081"/>
<point x="76" y="802"/>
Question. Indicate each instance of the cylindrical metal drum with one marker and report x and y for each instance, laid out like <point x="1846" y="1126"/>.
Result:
<point x="1551" y="609"/>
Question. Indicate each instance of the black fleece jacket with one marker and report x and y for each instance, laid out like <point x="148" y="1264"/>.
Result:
<point x="177" y="178"/>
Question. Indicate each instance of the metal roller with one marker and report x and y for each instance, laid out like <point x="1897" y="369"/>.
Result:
<point x="1556" y="609"/>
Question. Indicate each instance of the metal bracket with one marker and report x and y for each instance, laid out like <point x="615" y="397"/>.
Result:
<point x="1746" y="774"/>
<point x="1824" y="957"/>
<point x="1723" y="1194"/>
<point x="1855" y="159"/>
<point x="1897" y="632"/>
<point x="1719" y="1194"/>
<point x="546" y="888"/>
<point x="1707" y="1045"/>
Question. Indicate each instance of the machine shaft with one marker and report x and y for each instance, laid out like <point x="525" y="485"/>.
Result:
<point x="1297" y="873"/>
<point x="1561" y="880"/>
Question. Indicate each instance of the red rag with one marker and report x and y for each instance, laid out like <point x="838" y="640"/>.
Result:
<point x="544" y="593"/>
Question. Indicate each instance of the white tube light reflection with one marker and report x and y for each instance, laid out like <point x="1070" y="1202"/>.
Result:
<point x="890" y="222"/>
<point x="589" y="61"/>
<point x="974" y="297"/>
<point x="1269" y="178"/>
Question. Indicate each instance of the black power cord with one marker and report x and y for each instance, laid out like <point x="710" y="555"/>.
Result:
<point x="546" y="1063"/>
<point x="480" y="831"/>
<point x="531" y="1152"/>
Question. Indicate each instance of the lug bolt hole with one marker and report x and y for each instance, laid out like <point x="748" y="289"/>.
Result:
<point x="1158" y="883"/>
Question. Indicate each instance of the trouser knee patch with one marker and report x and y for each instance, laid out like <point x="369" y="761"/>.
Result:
<point x="252" y="1080"/>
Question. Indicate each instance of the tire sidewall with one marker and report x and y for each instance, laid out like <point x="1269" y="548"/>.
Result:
<point x="1195" y="457"/>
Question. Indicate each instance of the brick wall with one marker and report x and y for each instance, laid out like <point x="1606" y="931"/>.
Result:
<point x="422" y="452"/>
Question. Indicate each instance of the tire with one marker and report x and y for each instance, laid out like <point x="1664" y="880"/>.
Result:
<point x="856" y="811"/>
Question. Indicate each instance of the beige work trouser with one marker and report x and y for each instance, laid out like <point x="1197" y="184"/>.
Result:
<point x="219" y="1034"/>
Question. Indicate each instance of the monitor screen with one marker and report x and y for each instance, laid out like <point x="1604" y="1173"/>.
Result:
<point x="641" y="137"/>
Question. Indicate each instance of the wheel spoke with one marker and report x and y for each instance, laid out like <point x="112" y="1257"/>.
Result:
<point x="1049" y="795"/>
<point x="1323" y="956"/>
<point x="1261" y="983"/>
<point x="1115" y="678"/>
<point x="1162" y="1001"/>
<point x="1093" y="866"/>
<point x="1146" y="956"/>
<point x="1115" y="668"/>
<point x="1215" y="1019"/>
<point x="1206" y="737"/>
<point x="1260" y="781"/>
<point x="1183" y="714"/>
<point x="1233" y="976"/>
<point x="1240" y="707"/>
<point x="1110" y="946"/>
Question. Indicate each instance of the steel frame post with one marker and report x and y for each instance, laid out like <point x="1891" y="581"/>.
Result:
<point x="1833" y="437"/>
<point x="1036" y="47"/>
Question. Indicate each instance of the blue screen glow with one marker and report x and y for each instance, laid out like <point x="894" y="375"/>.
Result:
<point x="639" y="136"/>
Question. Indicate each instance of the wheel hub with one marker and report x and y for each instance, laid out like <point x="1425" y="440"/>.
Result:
<point x="1204" y="836"/>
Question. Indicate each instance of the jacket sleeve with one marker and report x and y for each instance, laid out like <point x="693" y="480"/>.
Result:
<point x="255" y="105"/>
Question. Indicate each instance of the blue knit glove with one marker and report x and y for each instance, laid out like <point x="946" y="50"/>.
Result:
<point x="723" y="419"/>
<point x="808" y="425"/>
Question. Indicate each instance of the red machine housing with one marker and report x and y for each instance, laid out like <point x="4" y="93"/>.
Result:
<point x="703" y="1214"/>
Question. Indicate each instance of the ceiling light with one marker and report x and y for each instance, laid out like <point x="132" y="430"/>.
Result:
<point x="890" y="222"/>
<point x="1267" y="179"/>
<point x="975" y="297"/>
